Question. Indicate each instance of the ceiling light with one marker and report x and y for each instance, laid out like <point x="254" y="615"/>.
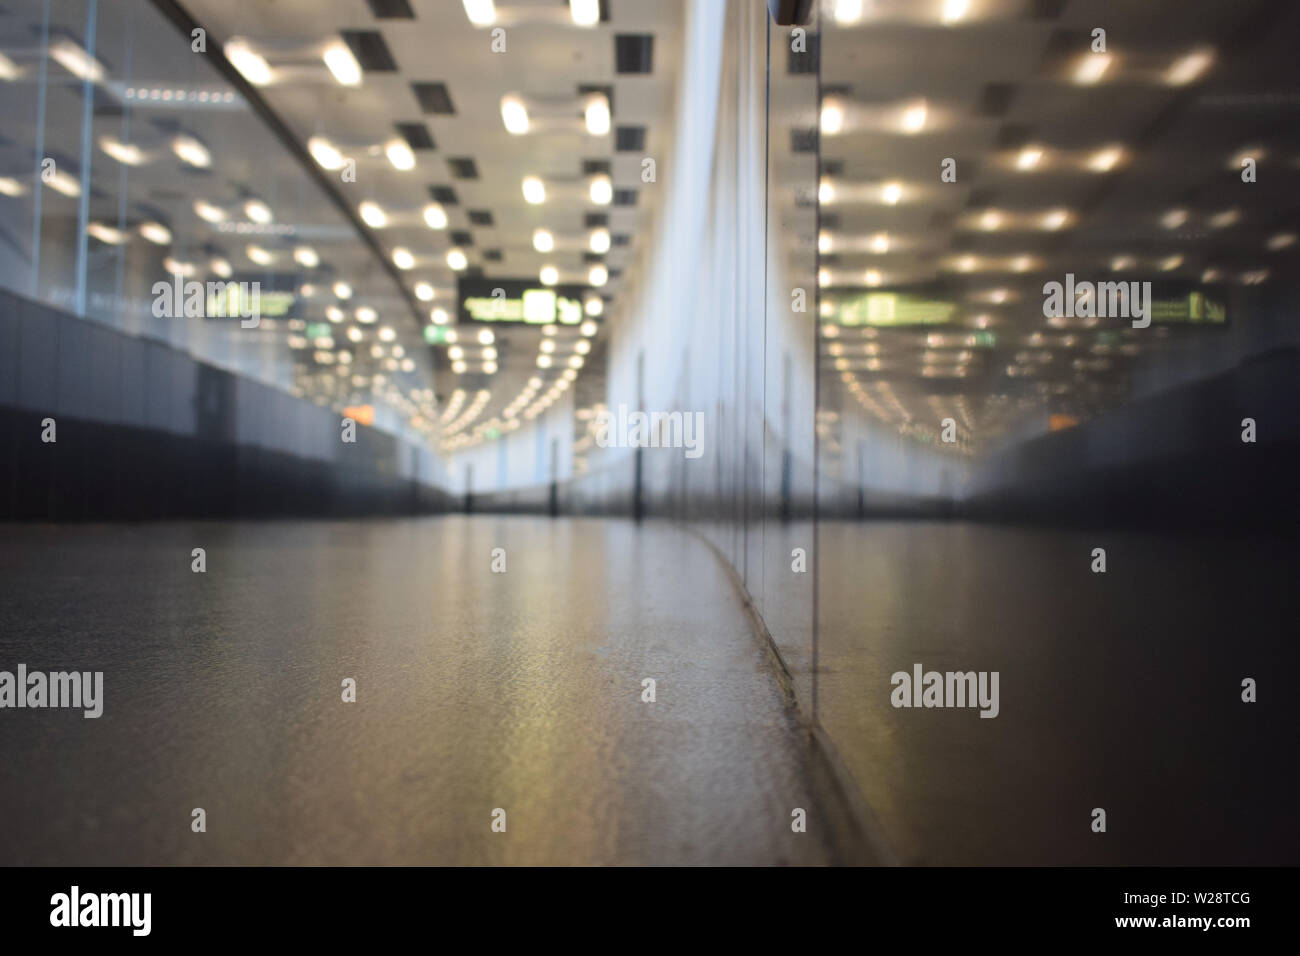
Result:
<point x="585" y="13"/>
<point x="325" y="153"/>
<point x="588" y="328"/>
<point x="10" y="186"/>
<point x="892" y="193"/>
<point x="602" y="190"/>
<point x="825" y="192"/>
<point x="259" y="255"/>
<point x="423" y="291"/>
<point x="8" y="69"/>
<point x="176" y="267"/>
<point x="880" y="243"/>
<point x="77" y="61"/>
<point x="342" y="290"/>
<point x="489" y="354"/>
<point x="355" y="334"/>
<point x="1174" y="218"/>
<point x="440" y="317"/>
<point x="156" y="233"/>
<point x="481" y="13"/>
<point x="547" y="346"/>
<point x="399" y="153"/>
<point x="456" y="259"/>
<point x="848" y="11"/>
<point x="824" y="242"/>
<point x="334" y="313"/>
<point x="514" y="114"/>
<point x="125" y="153"/>
<point x="435" y="217"/>
<point x="991" y="220"/>
<point x="597" y="114"/>
<point x="106" y="234"/>
<point x="251" y="64"/>
<point x="534" y="191"/>
<point x="595" y="306"/>
<point x="386" y="334"/>
<point x="459" y="367"/>
<point x="342" y="63"/>
<point x="1056" y="219"/>
<point x="549" y="275"/>
<point x="543" y="241"/>
<point x="221" y="268"/>
<point x="372" y="215"/>
<point x="832" y="118"/>
<point x="576" y="361"/>
<point x="63" y="183"/>
<point x="306" y="257"/>
<point x="599" y="242"/>
<point x="191" y="151"/>
<point x="1187" y="68"/>
<point x="366" y="314"/>
<point x="914" y="117"/>
<point x="1170" y="263"/>
<point x="598" y="276"/>
<point x="1029" y="158"/>
<point x="402" y="258"/>
<point x="485" y="337"/>
<point x="1281" y="241"/>
<point x="258" y="211"/>
<point x="1091" y="68"/>
<point x="490" y="368"/>
<point x="208" y="212"/>
<point x="1222" y="220"/>
<point x="1120" y="263"/>
<point x="823" y="277"/>
<point x="954" y="10"/>
<point x="1104" y="160"/>
<point x="872" y="277"/>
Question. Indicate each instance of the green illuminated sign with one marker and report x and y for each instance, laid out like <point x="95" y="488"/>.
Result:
<point x="520" y="301"/>
<point x="890" y="308"/>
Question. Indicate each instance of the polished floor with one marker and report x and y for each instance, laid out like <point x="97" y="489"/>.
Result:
<point x="476" y="691"/>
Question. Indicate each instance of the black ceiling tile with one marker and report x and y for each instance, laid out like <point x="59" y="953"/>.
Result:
<point x="620" y="239"/>
<point x="371" y="51"/>
<point x="460" y="237"/>
<point x="629" y="139"/>
<point x="444" y="194"/>
<point x="624" y="197"/>
<point x="597" y="219"/>
<point x="480" y="217"/>
<point x="803" y="140"/>
<point x="463" y="167"/>
<point x="633" y="52"/>
<point x="593" y="167"/>
<point x="416" y="135"/>
<point x="391" y="9"/>
<point x="492" y="255"/>
<point x="433" y="98"/>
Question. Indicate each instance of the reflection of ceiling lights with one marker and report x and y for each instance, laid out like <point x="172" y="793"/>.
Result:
<point x="600" y="241"/>
<point x="208" y="212"/>
<point x="63" y="183"/>
<point x="954" y="10"/>
<point x="423" y="291"/>
<point x="892" y="193"/>
<point x="258" y="211"/>
<point x="221" y="268"/>
<point x="176" y="267"/>
<point x="342" y="63"/>
<point x="598" y="276"/>
<point x="848" y="11"/>
<point x="1029" y="158"/>
<point x="914" y="117"/>
<point x="325" y="153"/>
<point x="190" y="150"/>
<point x="8" y="69"/>
<point x="106" y="234"/>
<point x="306" y="257"/>
<point x="77" y="61"/>
<point x="10" y="186"/>
<point x="1091" y="68"/>
<point x="343" y="291"/>
<point x="248" y="62"/>
<point x="832" y="120"/>
<point x="514" y="114"/>
<point x="372" y="215"/>
<point x="366" y="314"/>
<point x="127" y="154"/>
<point x="156" y="233"/>
<point x="1187" y="68"/>
<point x="259" y="255"/>
<point x="1104" y="160"/>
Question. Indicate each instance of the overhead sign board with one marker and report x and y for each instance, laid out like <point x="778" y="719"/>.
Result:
<point x="519" y="302"/>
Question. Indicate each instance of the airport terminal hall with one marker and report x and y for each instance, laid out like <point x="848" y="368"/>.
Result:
<point x="649" y="433"/>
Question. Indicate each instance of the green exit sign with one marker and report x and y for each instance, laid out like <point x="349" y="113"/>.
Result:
<point x="436" y="334"/>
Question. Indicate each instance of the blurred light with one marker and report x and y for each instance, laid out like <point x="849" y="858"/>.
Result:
<point x="77" y="61"/>
<point x="334" y="313"/>
<point x="481" y="13"/>
<point x="489" y="354"/>
<point x="824" y="242"/>
<point x="954" y="10"/>
<point x="400" y="154"/>
<point x="490" y="368"/>
<point x="372" y="215"/>
<point x="1222" y="220"/>
<point x="600" y="241"/>
<point x="1281" y="241"/>
<point x="546" y="346"/>
<point x="1029" y="157"/>
<point x="221" y="268"/>
<point x="355" y="334"/>
<point x="848" y="11"/>
<point x="156" y="233"/>
<point x="8" y="69"/>
<point x="914" y="117"/>
<point x="456" y="259"/>
<point x="366" y="314"/>
<point x="440" y="317"/>
<point x="259" y="255"/>
<point x="306" y="257"/>
<point x="1187" y="68"/>
<point x="1104" y="160"/>
<point x="208" y="212"/>
<point x="892" y="193"/>
<point x="880" y="243"/>
<point x="582" y="346"/>
<point x="1120" y="263"/>
<point x="1170" y="263"/>
<point x="423" y="291"/>
<point x="10" y="186"/>
<point x="595" y="305"/>
<point x="514" y="114"/>
<point x="823" y="277"/>
<point x="127" y="154"/>
<point x="543" y="241"/>
<point x="386" y="334"/>
<point x="190" y="150"/>
<point x="258" y="211"/>
<point x="106" y="234"/>
<point x="402" y="258"/>
<point x="459" y="367"/>
<point x="825" y="192"/>
<point x="991" y="220"/>
<point x="485" y="337"/>
<point x="534" y="190"/>
<point x="832" y="118"/>
<point x="549" y="275"/>
<point x="602" y="190"/>
<point x="550" y="329"/>
<point x="597" y="114"/>
<point x="1056" y="219"/>
<point x="576" y="361"/>
<point x="342" y="63"/>
<point x="1022" y="263"/>
<point x="435" y="217"/>
<point x="63" y="183"/>
<point x="1174" y="218"/>
<point x="252" y="65"/>
<point x="1091" y="68"/>
<point x="343" y="291"/>
<point x="325" y="153"/>
<point x="585" y="13"/>
<point x="872" y="277"/>
<point x="588" y="329"/>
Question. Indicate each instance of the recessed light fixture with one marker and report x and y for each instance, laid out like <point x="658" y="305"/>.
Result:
<point x="549" y="275"/>
<point x="423" y="291"/>
<point x="156" y="233"/>
<point x="585" y="13"/>
<point x="534" y="190"/>
<point x="435" y="217"/>
<point x="1029" y="158"/>
<point x="402" y="258"/>
<point x="372" y="215"/>
<point x="258" y="211"/>
<point x="481" y="13"/>
<point x="306" y="257"/>
<point x="543" y="241"/>
<point x="514" y="114"/>
<point x="325" y="153"/>
<point x="1187" y="68"/>
<point x="342" y="63"/>
<point x="127" y="154"/>
<point x="208" y="212"/>
<point x="1091" y="68"/>
<point x="597" y="114"/>
<point x="456" y="259"/>
<point x="400" y="154"/>
<point x="602" y="190"/>
<point x="599" y="241"/>
<point x="77" y="61"/>
<point x="248" y="62"/>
